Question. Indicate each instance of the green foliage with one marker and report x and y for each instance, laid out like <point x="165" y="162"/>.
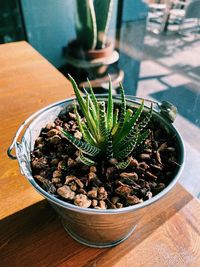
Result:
<point x="108" y="132"/>
<point x="92" y="22"/>
<point x="86" y="28"/>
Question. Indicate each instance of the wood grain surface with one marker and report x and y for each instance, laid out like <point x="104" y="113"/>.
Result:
<point x="31" y="233"/>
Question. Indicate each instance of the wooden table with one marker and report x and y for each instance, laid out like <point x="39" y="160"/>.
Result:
<point x="30" y="232"/>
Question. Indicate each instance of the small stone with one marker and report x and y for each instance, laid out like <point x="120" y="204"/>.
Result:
<point x="102" y="193"/>
<point x="73" y="187"/>
<point x="66" y="192"/>
<point x="157" y="167"/>
<point x="151" y="176"/>
<point x="143" y="191"/>
<point x="40" y="146"/>
<point x="93" y="169"/>
<point x="158" y="157"/>
<point x="96" y="182"/>
<point x="162" y="147"/>
<point x="43" y="173"/>
<point x="130" y="175"/>
<point x="113" y="161"/>
<point x="144" y="156"/>
<point x="59" y="185"/>
<point x="56" y="139"/>
<point x="54" y="162"/>
<point x="39" y="163"/>
<point x="148" y="150"/>
<point x="92" y="193"/>
<point x="143" y="165"/>
<point x="50" y="125"/>
<point x="38" y="153"/>
<point x="91" y="175"/>
<point x="38" y="141"/>
<point x="102" y="204"/>
<point x="57" y="174"/>
<point x="71" y="122"/>
<point x="78" y="135"/>
<point x="112" y="206"/>
<point x="159" y="187"/>
<point x="171" y="149"/>
<point x="69" y="179"/>
<point x="119" y="183"/>
<point x="61" y="165"/>
<point x="74" y="128"/>
<point x="94" y="203"/>
<point x="70" y="162"/>
<point x="52" y="132"/>
<point x="132" y="200"/>
<point x="119" y="205"/>
<point x="55" y="180"/>
<point x="114" y="200"/>
<point x="123" y="190"/>
<point x="82" y="191"/>
<point x="149" y="194"/>
<point x="110" y="171"/>
<point x="58" y="122"/>
<point x="133" y="162"/>
<point x="82" y="201"/>
<point x="79" y="183"/>
<point x="65" y="126"/>
<point x="152" y="184"/>
<point x="72" y="115"/>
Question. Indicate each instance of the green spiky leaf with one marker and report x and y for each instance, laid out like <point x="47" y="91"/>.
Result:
<point x="103" y="133"/>
<point x="93" y="97"/>
<point x="82" y="146"/>
<point x="107" y="135"/>
<point x="125" y="152"/>
<point x="84" y="107"/>
<point x="110" y="107"/>
<point x="123" y="108"/>
<point x="142" y="137"/>
<point x="146" y="119"/>
<point x="109" y="150"/>
<point x="86" y="160"/>
<point x="122" y="164"/>
<point x="86" y="23"/>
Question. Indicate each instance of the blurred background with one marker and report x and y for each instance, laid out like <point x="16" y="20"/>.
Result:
<point x="157" y="54"/>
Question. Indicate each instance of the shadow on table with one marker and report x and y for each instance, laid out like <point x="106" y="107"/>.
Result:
<point x="35" y="236"/>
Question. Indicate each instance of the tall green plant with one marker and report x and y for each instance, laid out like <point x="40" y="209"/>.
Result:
<point x="92" y="22"/>
<point x="108" y="133"/>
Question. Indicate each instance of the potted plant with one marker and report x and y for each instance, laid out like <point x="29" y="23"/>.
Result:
<point x="90" y="54"/>
<point x="100" y="160"/>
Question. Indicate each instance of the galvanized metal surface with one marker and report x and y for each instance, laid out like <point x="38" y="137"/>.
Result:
<point x="97" y="228"/>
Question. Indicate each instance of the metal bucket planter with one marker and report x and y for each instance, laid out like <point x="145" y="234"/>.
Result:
<point x="96" y="228"/>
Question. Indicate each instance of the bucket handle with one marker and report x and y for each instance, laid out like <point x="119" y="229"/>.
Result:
<point x="25" y="125"/>
<point x="165" y="108"/>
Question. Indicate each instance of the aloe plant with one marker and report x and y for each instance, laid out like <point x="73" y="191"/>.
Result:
<point x="92" y="22"/>
<point x="109" y="133"/>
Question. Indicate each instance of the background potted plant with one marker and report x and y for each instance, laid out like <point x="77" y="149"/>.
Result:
<point x="90" y="54"/>
<point x="100" y="161"/>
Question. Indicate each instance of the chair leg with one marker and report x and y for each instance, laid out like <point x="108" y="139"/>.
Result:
<point x="180" y="27"/>
<point x="198" y="25"/>
<point x="197" y="29"/>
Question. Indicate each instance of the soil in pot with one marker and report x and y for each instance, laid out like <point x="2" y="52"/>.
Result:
<point x="56" y="167"/>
